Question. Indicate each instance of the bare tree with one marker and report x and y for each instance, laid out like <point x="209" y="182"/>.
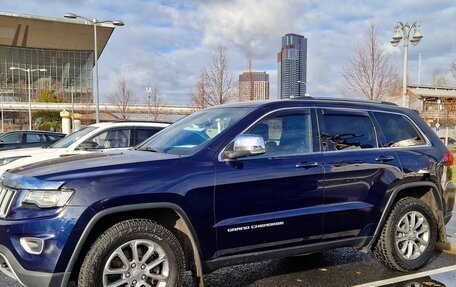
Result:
<point x="370" y="72"/>
<point x="155" y="102"/>
<point x="122" y="98"/>
<point x="199" y="94"/>
<point x="221" y="84"/>
<point x="252" y="84"/>
<point x="87" y="111"/>
<point x="453" y="68"/>
<point x="439" y="80"/>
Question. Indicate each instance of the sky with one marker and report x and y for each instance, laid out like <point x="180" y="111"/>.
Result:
<point x="167" y="43"/>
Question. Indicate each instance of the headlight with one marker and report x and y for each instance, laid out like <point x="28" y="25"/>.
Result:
<point x="47" y="198"/>
<point x="7" y="160"/>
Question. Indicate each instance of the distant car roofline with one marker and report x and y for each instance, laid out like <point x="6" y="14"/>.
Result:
<point x="130" y="123"/>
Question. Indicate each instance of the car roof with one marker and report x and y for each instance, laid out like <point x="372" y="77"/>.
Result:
<point x="29" y="131"/>
<point x="130" y="123"/>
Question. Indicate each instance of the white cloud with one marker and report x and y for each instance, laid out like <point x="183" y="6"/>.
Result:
<point x="168" y="42"/>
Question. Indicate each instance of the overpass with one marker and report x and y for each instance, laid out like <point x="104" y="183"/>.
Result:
<point x="108" y="108"/>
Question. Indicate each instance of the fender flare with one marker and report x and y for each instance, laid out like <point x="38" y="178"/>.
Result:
<point x="392" y="198"/>
<point x="140" y="206"/>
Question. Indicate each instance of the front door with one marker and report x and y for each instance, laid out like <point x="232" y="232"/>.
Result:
<point x="275" y="199"/>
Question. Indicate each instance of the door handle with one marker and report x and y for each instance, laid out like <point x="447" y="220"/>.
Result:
<point x="307" y="164"/>
<point x="384" y="158"/>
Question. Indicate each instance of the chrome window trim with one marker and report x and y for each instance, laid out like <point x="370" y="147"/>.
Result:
<point x="428" y="142"/>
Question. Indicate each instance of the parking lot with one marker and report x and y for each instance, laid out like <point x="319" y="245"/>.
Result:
<point x="339" y="267"/>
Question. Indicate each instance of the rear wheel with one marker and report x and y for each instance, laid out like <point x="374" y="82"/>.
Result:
<point x="408" y="237"/>
<point x="136" y="252"/>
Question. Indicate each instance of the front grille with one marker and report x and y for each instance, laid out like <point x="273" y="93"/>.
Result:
<point x="6" y="197"/>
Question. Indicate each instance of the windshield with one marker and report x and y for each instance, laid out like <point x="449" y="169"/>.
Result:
<point x="72" y="138"/>
<point x="193" y="132"/>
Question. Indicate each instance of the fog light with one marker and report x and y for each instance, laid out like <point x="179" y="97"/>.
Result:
<point x="32" y="245"/>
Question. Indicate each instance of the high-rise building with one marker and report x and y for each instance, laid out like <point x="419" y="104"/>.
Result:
<point x="253" y="86"/>
<point x="292" y="67"/>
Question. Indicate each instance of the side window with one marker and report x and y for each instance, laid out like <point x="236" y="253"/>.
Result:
<point x="398" y="130"/>
<point x="286" y="133"/>
<point x="12" y="138"/>
<point x="119" y="138"/>
<point x="34" y="138"/>
<point x="143" y="134"/>
<point x="345" y="130"/>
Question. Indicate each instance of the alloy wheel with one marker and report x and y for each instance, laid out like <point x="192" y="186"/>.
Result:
<point x="412" y="235"/>
<point x="138" y="263"/>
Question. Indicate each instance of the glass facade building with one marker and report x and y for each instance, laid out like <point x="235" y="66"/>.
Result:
<point x="66" y="71"/>
<point x="64" y="48"/>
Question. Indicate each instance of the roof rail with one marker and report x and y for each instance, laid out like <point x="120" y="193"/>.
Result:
<point x="343" y="100"/>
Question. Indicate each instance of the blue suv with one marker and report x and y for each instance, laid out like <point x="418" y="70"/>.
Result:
<point x="228" y="185"/>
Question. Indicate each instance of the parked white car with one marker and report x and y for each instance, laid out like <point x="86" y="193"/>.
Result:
<point x="94" y="138"/>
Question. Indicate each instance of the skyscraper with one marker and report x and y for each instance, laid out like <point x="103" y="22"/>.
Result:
<point x="253" y="86"/>
<point x="292" y="67"/>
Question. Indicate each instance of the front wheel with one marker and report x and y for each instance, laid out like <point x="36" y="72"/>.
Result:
<point x="135" y="252"/>
<point x="408" y="238"/>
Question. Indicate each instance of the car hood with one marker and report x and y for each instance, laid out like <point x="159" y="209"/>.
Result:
<point x="51" y="174"/>
<point x="30" y="152"/>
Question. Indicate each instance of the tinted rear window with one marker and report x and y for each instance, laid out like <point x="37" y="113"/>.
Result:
<point x="398" y="130"/>
<point x="347" y="131"/>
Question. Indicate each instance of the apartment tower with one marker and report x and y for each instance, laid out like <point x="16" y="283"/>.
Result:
<point x="292" y="67"/>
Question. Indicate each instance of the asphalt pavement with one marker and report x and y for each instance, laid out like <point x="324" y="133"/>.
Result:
<point x="338" y="267"/>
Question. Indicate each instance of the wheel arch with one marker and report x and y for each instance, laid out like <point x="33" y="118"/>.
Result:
<point x="103" y="218"/>
<point x="424" y="190"/>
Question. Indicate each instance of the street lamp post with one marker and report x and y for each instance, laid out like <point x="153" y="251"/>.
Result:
<point x="29" y="83"/>
<point x="149" y="91"/>
<point x="72" y="107"/>
<point x="305" y="85"/>
<point x="95" y="23"/>
<point x="402" y="31"/>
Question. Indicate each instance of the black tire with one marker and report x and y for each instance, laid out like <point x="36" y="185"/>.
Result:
<point x="122" y="234"/>
<point x="387" y="251"/>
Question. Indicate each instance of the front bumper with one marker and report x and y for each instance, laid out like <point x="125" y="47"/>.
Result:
<point x="12" y="268"/>
<point x="49" y="267"/>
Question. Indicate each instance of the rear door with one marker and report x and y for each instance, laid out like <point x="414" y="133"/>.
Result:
<point x="357" y="172"/>
<point x="272" y="200"/>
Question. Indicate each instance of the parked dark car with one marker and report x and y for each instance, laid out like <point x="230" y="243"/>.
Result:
<point x="228" y="185"/>
<point x="451" y="141"/>
<point x="25" y="139"/>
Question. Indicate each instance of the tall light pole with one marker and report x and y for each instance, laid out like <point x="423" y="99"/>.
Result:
<point x="72" y="107"/>
<point x="95" y="23"/>
<point x="402" y="31"/>
<point x="149" y="92"/>
<point x="29" y="83"/>
<point x="306" y="94"/>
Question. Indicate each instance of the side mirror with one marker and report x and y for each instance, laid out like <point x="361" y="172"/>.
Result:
<point x="88" y="145"/>
<point x="246" y="145"/>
